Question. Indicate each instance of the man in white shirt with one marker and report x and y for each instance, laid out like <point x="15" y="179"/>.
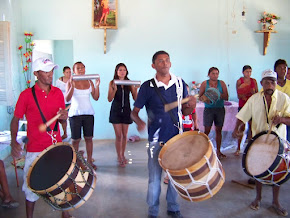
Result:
<point x="264" y="108"/>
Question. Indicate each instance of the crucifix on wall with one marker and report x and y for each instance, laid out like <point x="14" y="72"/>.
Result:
<point x="105" y="13"/>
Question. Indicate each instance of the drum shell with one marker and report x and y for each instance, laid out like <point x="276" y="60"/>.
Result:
<point x="199" y="171"/>
<point x="278" y="165"/>
<point x="67" y="184"/>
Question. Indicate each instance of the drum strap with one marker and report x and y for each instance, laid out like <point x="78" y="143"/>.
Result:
<point x="48" y="129"/>
<point x="163" y="101"/>
<point x="267" y="112"/>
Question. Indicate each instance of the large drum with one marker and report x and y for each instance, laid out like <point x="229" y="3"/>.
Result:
<point x="266" y="158"/>
<point x="62" y="177"/>
<point x="192" y="166"/>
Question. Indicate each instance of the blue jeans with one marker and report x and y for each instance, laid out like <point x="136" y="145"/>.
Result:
<point x="154" y="187"/>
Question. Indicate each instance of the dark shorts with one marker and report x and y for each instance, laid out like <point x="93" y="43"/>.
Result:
<point x="83" y="121"/>
<point x="216" y="115"/>
<point x="118" y="117"/>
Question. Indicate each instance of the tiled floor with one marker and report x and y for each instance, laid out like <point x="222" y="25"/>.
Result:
<point x="121" y="192"/>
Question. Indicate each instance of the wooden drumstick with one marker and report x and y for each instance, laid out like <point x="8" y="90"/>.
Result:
<point x="174" y="104"/>
<point x="242" y="184"/>
<point x="16" y="174"/>
<point x="170" y="106"/>
<point x="270" y="130"/>
<point x="42" y="127"/>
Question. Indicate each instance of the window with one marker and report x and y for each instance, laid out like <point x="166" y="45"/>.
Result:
<point x="5" y="65"/>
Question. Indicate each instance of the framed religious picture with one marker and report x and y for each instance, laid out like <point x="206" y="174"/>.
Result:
<point x="105" y="13"/>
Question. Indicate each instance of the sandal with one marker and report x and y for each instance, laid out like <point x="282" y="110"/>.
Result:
<point x="237" y="153"/>
<point x="11" y="204"/>
<point x="255" y="206"/>
<point x="280" y="210"/>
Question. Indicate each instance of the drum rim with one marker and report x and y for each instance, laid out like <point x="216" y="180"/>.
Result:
<point x="275" y="162"/>
<point x="195" y="166"/>
<point x="280" y="181"/>
<point x="63" y="179"/>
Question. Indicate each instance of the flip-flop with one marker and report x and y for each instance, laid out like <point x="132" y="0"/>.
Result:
<point x="280" y="210"/>
<point x="255" y="207"/>
<point x="11" y="204"/>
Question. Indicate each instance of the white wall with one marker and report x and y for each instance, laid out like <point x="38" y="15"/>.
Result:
<point x="197" y="35"/>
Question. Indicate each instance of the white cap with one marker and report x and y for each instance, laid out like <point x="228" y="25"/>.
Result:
<point x="269" y="74"/>
<point x="43" y="64"/>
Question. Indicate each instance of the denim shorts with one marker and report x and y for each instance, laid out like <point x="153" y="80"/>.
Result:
<point x="82" y="121"/>
<point x="216" y="115"/>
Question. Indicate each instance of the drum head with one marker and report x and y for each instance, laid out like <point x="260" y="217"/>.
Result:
<point x="262" y="154"/>
<point x="51" y="167"/>
<point x="184" y="152"/>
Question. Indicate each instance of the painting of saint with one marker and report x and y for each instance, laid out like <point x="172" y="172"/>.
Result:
<point x="105" y="14"/>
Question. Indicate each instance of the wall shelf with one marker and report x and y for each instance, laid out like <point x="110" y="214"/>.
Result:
<point x="267" y="34"/>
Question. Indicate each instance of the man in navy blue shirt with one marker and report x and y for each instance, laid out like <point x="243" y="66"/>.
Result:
<point x="161" y="125"/>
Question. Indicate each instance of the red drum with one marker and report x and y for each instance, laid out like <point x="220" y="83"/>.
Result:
<point x="266" y="158"/>
<point x="62" y="177"/>
<point x="192" y="166"/>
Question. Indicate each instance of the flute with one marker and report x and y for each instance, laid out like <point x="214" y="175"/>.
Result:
<point x="85" y="77"/>
<point x="127" y="82"/>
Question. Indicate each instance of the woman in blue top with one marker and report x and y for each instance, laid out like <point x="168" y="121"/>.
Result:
<point x="214" y="112"/>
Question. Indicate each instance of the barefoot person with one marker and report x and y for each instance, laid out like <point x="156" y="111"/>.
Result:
<point x="263" y="108"/>
<point x="51" y="102"/>
<point x="120" y="110"/>
<point x="61" y="84"/>
<point x="81" y="113"/>
<point x="246" y="87"/>
<point x="215" y="112"/>
<point x="161" y="125"/>
<point x="7" y="199"/>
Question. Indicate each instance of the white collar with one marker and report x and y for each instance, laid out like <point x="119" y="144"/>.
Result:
<point x="172" y="81"/>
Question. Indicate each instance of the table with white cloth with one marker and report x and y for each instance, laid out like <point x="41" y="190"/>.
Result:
<point x="231" y="109"/>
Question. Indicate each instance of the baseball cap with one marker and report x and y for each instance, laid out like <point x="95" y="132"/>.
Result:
<point x="43" y="64"/>
<point x="269" y="74"/>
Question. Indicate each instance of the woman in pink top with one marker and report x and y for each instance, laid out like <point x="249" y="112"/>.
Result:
<point x="246" y="87"/>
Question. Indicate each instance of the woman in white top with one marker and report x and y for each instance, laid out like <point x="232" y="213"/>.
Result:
<point x="81" y="112"/>
<point x="61" y="84"/>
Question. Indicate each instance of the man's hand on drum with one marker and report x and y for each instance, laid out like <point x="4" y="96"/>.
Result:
<point x="16" y="151"/>
<point x="63" y="114"/>
<point x="239" y="129"/>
